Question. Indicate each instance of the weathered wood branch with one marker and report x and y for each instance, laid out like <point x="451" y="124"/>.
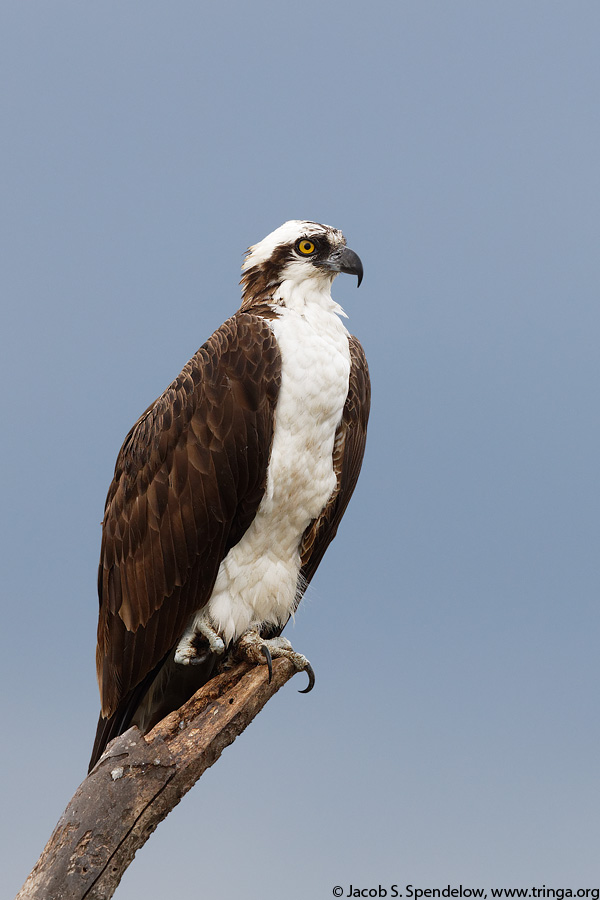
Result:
<point x="140" y="780"/>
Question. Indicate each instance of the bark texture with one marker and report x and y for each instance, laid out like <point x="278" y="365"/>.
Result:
<point x="140" y="780"/>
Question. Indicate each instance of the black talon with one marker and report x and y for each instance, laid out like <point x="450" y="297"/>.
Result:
<point x="311" y="679"/>
<point x="267" y="655"/>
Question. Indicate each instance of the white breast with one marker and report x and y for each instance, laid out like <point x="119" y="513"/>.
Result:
<point x="257" y="580"/>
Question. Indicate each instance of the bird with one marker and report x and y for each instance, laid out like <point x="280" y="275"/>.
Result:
<point x="230" y="487"/>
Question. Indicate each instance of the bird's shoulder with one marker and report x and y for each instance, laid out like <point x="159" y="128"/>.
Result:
<point x="358" y="401"/>
<point x="238" y="365"/>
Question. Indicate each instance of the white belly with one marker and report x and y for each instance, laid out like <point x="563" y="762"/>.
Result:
<point x="258" y="579"/>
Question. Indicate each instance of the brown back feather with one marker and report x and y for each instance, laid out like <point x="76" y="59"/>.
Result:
<point x="188" y="480"/>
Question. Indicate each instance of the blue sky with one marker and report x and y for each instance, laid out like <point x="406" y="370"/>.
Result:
<point x="453" y="626"/>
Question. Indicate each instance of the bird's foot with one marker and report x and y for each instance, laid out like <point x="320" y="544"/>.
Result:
<point x="258" y="650"/>
<point x="196" y="644"/>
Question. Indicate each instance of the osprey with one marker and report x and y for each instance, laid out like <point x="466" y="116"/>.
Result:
<point x="229" y="488"/>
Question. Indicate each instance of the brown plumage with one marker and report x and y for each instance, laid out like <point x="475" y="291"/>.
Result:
<point x="188" y="482"/>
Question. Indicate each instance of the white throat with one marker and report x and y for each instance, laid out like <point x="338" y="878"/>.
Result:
<point x="301" y="294"/>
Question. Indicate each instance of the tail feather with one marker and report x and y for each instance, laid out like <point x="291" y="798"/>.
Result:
<point x="112" y="726"/>
<point x="167" y="687"/>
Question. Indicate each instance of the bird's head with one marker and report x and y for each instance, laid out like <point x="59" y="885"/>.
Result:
<point x="298" y="259"/>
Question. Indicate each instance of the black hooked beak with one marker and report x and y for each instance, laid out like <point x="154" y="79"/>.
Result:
<point x="350" y="264"/>
<point x="343" y="261"/>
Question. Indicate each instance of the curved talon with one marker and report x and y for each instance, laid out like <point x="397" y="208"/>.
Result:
<point x="311" y="679"/>
<point x="267" y="655"/>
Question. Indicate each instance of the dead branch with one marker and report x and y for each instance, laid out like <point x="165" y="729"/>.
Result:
<point x="139" y="780"/>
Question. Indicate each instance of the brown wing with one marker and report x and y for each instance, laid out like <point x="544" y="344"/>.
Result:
<point x="348" y="454"/>
<point x="188" y="480"/>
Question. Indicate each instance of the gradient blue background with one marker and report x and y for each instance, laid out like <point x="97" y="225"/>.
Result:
<point x="453" y="733"/>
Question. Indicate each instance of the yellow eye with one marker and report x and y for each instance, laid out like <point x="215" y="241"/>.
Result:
<point x="306" y="247"/>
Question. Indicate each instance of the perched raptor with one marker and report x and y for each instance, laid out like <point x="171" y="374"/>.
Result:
<point x="230" y="487"/>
